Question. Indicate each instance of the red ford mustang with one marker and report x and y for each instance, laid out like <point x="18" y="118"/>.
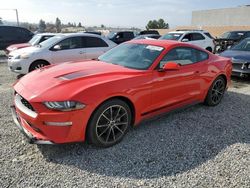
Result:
<point x="98" y="100"/>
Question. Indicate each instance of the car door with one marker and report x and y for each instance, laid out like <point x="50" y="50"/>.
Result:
<point x="94" y="47"/>
<point x="69" y="49"/>
<point x="196" y="39"/>
<point x="180" y="86"/>
<point x="199" y="40"/>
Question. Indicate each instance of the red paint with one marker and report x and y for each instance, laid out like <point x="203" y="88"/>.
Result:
<point x="150" y="91"/>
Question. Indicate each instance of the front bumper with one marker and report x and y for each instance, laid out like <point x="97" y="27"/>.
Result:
<point x="241" y="69"/>
<point x="31" y="138"/>
<point x="20" y="66"/>
<point x="45" y="125"/>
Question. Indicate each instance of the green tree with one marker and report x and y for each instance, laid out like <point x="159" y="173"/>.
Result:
<point x="1" y="21"/>
<point x="160" y="24"/>
<point x="58" y="25"/>
<point x="79" y="24"/>
<point x="41" y="26"/>
<point x="102" y="26"/>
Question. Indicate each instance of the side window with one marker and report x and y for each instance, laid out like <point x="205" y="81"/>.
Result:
<point x="184" y="56"/>
<point x="70" y="43"/>
<point x="94" y="42"/>
<point x="188" y="37"/>
<point x="120" y="35"/>
<point x="197" y="36"/>
<point x="128" y="35"/>
<point x="201" y="56"/>
<point x="248" y="34"/>
<point x="44" y="38"/>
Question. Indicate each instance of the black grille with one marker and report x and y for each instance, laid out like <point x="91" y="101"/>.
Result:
<point x="26" y="103"/>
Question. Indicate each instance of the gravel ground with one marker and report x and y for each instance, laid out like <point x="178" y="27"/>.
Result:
<point x="195" y="147"/>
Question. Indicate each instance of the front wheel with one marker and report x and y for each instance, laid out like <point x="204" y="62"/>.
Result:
<point x="37" y="65"/>
<point x="109" y="123"/>
<point x="216" y="92"/>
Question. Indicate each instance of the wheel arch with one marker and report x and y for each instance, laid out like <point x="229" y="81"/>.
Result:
<point x="47" y="63"/>
<point x="122" y="98"/>
<point x="210" y="84"/>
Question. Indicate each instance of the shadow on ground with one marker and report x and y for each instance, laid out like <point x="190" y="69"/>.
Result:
<point x="165" y="146"/>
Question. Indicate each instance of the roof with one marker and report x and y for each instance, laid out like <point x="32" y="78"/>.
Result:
<point x="215" y="31"/>
<point x="80" y="34"/>
<point x="45" y="34"/>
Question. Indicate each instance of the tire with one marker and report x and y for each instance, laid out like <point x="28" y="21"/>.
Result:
<point x="37" y="65"/>
<point x="216" y="92"/>
<point x="209" y="49"/>
<point x="109" y="123"/>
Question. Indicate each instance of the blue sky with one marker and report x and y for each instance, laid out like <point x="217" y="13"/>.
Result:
<point x="120" y="13"/>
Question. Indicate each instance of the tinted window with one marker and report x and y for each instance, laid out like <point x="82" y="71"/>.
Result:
<point x="188" y="36"/>
<point x="128" y="35"/>
<point x="94" y="42"/>
<point x="71" y="43"/>
<point x="248" y="34"/>
<point x="197" y="36"/>
<point x="184" y="56"/>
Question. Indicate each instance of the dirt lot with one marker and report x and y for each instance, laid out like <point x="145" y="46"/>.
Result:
<point x="195" y="147"/>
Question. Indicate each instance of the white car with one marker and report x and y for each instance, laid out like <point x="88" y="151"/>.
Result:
<point x="200" y="38"/>
<point x="58" y="49"/>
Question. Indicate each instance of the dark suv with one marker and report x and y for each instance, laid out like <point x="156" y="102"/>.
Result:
<point x="121" y="36"/>
<point x="229" y="39"/>
<point x="13" y="35"/>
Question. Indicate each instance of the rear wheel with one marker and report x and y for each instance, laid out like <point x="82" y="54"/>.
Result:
<point x="216" y="92"/>
<point x="37" y="65"/>
<point x="109" y="123"/>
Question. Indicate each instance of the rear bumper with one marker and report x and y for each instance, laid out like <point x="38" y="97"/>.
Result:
<point x="31" y="138"/>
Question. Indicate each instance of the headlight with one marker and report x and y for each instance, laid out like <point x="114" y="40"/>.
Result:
<point x="64" y="105"/>
<point x="23" y="56"/>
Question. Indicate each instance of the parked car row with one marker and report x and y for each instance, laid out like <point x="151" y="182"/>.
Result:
<point x="41" y="53"/>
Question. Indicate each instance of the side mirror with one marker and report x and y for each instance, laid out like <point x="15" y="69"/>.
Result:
<point x="171" y="66"/>
<point x="57" y="47"/>
<point x="184" y="40"/>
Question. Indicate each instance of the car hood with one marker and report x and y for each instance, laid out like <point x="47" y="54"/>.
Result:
<point x="28" y="50"/>
<point x="21" y="45"/>
<point x="73" y="76"/>
<point x="236" y="54"/>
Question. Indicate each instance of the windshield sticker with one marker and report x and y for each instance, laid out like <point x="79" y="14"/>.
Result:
<point x="156" y="48"/>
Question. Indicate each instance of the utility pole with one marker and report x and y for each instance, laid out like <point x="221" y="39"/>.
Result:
<point x="17" y="18"/>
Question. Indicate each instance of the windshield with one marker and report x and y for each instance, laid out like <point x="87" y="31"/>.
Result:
<point x="171" y="36"/>
<point x="242" y="46"/>
<point x="35" y="40"/>
<point x="232" y="35"/>
<point x="135" y="56"/>
<point x="111" y="35"/>
<point x="51" y="41"/>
